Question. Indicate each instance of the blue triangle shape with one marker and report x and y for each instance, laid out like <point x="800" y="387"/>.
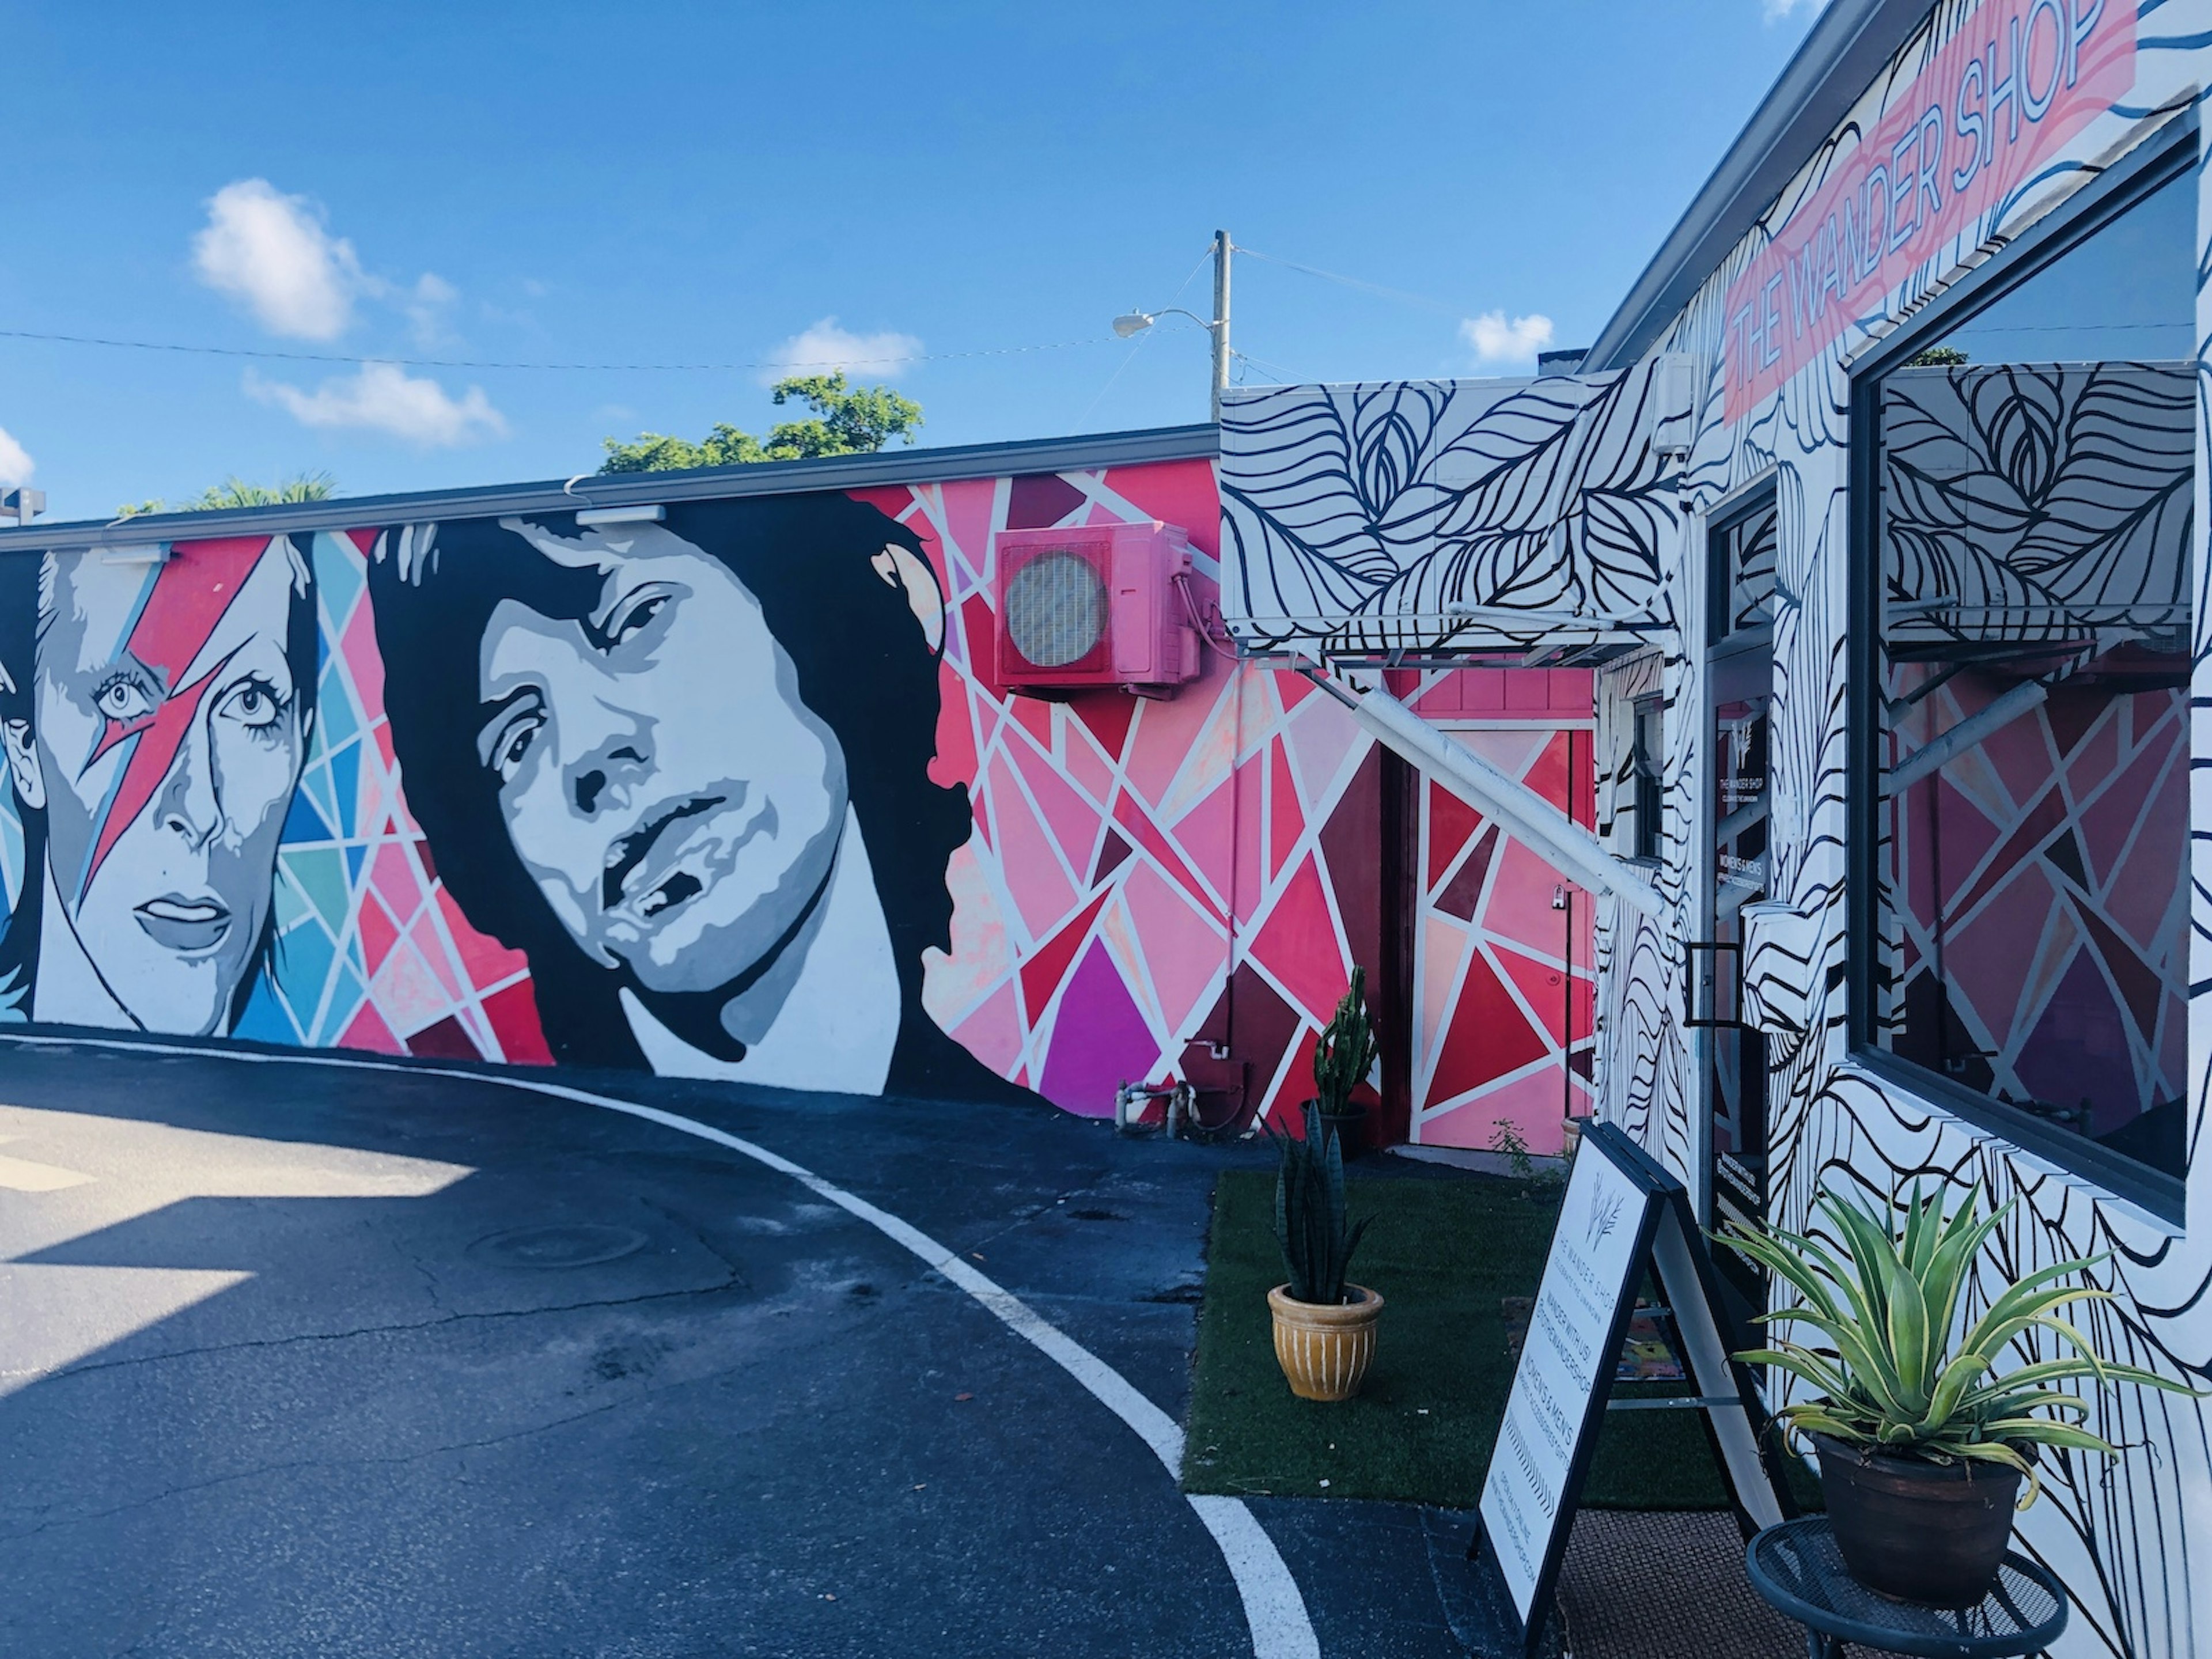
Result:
<point x="303" y="823"/>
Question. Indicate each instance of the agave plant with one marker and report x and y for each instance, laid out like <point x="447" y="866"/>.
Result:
<point x="1896" y="1382"/>
<point x="1344" y="1053"/>
<point x="1316" y="1234"/>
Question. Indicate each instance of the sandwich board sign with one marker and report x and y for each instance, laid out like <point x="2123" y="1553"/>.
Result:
<point x="1623" y="1214"/>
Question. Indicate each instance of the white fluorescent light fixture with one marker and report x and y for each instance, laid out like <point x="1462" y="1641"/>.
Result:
<point x="143" y="553"/>
<point x="649" y="513"/>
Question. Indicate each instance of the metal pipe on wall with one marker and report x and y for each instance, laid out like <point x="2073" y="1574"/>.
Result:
<point x="1536" y="822"/>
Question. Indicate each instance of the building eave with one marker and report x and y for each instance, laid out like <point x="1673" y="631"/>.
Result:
<point x="920" y="466"/>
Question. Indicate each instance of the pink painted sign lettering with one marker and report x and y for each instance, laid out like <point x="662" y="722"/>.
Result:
<point x="1997" y="101"/>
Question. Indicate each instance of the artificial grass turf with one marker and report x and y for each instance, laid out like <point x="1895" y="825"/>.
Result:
<point x="1444" y="1251"/>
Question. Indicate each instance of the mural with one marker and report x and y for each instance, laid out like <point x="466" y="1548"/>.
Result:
<point x="2127" y="1538"/>
<point x="1366" y="519"/>
<point x="730" y="795"/>
<point x="156" y="718"/>
<point x="1504" y="1026"/>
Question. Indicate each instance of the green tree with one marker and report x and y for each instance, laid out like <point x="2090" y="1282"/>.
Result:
<point x="234" y="492"/>
<point x="848" y="420"/>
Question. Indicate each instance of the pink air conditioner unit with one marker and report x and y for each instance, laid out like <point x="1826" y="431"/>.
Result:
<point x="1099" y="606"/>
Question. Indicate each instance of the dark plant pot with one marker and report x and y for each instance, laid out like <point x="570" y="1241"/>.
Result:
<point x="1915" y="1530"/>
<point x="1350" y="1128"/>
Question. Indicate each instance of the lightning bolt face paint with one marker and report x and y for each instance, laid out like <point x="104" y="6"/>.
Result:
<point x="170" y="738"/>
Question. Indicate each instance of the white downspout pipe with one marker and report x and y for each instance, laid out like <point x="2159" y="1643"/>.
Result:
<point x="1536" y="822"/>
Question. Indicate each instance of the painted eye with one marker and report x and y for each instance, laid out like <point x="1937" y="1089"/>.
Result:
<point x="513" y="744"/>
<point x="124" y="700"/>
<point x="626" y="624"/>
<point x="253" y="704"/>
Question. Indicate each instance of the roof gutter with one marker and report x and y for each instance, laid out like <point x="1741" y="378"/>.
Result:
<point x="1848" y="47"/>
<point x="599" y="489"/>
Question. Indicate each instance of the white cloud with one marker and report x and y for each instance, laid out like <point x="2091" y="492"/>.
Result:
<point x="426" y="305"/>
<point x="825" y="347"/>
<point x="384" y="398"/>
<point x="275" y="253"/>
<point x="15" y="463"/>
<point x="1777" y="9"/>
<point x="1497" y="341"/>
<point x="271" y="251"/>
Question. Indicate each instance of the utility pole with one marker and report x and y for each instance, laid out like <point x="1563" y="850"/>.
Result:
<point x="1220" y="328"/>
<point x="1130" y="324"/>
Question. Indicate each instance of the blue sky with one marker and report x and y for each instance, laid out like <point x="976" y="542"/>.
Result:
<point x="744" y="185"/>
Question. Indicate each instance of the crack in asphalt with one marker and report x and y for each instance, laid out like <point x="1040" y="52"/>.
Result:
<point x="699" y="1234"/>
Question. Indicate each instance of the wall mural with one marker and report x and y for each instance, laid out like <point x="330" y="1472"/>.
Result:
<point x="1355" y="517"/>
<point x="451" y="789"/>
<point x="1505" y="982"/>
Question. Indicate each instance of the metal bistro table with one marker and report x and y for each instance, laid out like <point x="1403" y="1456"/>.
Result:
<point x="1797" y="1568"/>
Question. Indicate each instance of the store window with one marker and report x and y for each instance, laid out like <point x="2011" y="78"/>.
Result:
<point x="1743" y="571"/>
<point x="2032" y="474"/>
<point x="1648" y="762"/>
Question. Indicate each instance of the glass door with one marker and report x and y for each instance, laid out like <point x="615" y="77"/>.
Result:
<point x="1739" y="687"/>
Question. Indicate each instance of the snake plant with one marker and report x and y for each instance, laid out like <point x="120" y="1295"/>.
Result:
<point x="1311" y="1225"/>
<point x="1896" y="1381"/>
<point x="1344" y="1053"/>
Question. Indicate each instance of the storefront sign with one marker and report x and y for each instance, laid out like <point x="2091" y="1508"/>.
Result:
<point x="1997" y="101"/>
<point x="1574" y="1336"/>
<point x="1623" y="1217"/>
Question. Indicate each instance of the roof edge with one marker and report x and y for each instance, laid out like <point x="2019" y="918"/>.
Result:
<point x="1846" y="48"/>
<point x="947" y="464"/>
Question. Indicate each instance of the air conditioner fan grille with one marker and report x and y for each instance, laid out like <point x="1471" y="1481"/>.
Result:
<point x="1056" y="609"/>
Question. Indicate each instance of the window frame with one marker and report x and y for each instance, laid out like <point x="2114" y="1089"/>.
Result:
<point x="2159" y="160"/>
<point x="1762" y="495"/>
<point x="1649" y="782"/>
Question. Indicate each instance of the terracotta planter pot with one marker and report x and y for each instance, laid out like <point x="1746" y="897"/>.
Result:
<point x="1918" y="1531"/>
<point x="1325" y="1351"/>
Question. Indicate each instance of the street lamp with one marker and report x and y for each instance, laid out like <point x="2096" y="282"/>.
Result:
<point x="1133" y="323"/>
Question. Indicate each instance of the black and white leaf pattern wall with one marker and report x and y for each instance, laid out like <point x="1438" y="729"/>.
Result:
<point x="1354" y="516"/>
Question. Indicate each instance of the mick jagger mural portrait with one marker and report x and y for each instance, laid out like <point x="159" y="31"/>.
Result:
<point x="683" y="767"/>
<point x="154" y="716"/>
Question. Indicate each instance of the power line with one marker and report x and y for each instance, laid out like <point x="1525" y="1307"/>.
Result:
<point x="1138" y="344"/>
<point x="486" y="363"/>
<point x="1399" y="294"/>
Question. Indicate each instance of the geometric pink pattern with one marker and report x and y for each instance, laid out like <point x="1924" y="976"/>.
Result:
<point x="1504" y="987"/>
<point x="1094" y="932"/>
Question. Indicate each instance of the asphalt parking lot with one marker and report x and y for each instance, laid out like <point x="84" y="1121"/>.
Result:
<point x="315" y="1358"/>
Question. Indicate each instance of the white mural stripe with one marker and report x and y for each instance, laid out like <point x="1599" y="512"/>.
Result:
<point x="1274" y="1609"/>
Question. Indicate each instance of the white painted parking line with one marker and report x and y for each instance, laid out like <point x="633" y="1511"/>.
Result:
<point x="1274" y="1609"/>
<point x="21" y="1175"/>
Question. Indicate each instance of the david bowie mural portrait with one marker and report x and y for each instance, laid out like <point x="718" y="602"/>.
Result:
<point x="684" y="767"/>
<point x="154" y="718"/>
